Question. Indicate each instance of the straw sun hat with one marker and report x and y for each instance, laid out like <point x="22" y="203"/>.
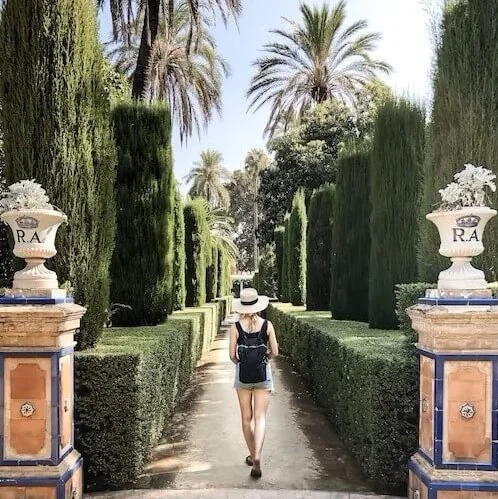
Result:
<point x="250" y="302"/>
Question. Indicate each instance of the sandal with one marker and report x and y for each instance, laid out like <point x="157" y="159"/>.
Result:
<point x="256" y="469"/>
<point x="249" y="460"/>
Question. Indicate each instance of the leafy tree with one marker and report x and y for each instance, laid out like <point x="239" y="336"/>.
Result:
<point x="306" y="157"/>
<point x="188" y="79"/>
<point x="56" y="125"/>
<point x="145" y="223"/>
<point x="317" y="59"/>
<point x="396" y="167"/>
<point x="297" y="250"/>
<point x="209" y="178"/>
<point x="319" y="248"/>
<point x="267" y="275"/>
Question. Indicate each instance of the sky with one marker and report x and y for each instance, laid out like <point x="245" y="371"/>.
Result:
<point x="405" y="45"/>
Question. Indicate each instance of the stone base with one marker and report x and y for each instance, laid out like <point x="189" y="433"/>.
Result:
<point x="426" y="482"/>
<point x="36" y="293"/>
<point x="64" y="481"/>
<point x="459" y="293"/>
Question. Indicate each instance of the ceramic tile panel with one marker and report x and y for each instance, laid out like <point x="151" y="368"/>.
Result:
<point x="74" y="486"/>
<point x="416" y="489"/>
<point x="467" y="409"/>
<point x="27" y="408"/>
<point x="466" y="494"/>
<point x="28" y="492"/>
<point x="426" y="420"/>
<point x="66" y="410"/>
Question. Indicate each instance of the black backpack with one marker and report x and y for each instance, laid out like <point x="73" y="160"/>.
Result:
<point x="252" y="354"/>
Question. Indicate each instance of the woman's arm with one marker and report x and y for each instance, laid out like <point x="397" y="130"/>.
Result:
<point x="233" y="344"/>
<point x="273" y="341"/>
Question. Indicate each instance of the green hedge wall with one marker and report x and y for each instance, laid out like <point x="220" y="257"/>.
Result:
<point x="367" y="382"/>
<point x="196" y="240"/>
<point x="319" y="248"/>
<point x="179" y="254"/>
<point x="56" y="129"/>
<point x="127" y="387"/>
<point x="212" y="275"/>
<point x="351" y="239"/>
<point x="279" y="255"/>
<point x="285" y="292"/>
<point x="142" y="264"/>
<point x="464" y="122"/>
<point x="395" y="171"/>
<point x="297" y="250"/>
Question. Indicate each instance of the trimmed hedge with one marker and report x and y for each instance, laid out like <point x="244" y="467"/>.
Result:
<point x="279" y="254"/>
<point x="319" y="248"/>
<point x="196" y="239"/>
<point x="464" y="122"/>
<point x="56" y="129"/>
<point x="142" y="269"/>
<point x="285" y="291"/>
<point x="127" y="387"/>
<point x="212" y="275"/>
<point x="297" y="250"/>
<point x="406" y="296"/>
<point x="351" y="239"/>
<point x="395" y="171"/>
<point x="367" y="381"/>
<point x="179" y="258"/>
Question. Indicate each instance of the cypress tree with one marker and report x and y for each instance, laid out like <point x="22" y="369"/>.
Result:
<point x="351" y="239"/>
<point x="145" y="223"/>
<point x="279" y="255"/>
<point x="464" y="121"/>
<point x="56" y="126"/>
<point x="179" y="254"/>
<point x="319" y="247"/>
<point x="285" y="261"/>
<point x="212" y="274"/>
<point x="297" y="250"/>
<point x="5" y="252"/>
<point x="196" y="230"/>
<point x="395" y="170"/>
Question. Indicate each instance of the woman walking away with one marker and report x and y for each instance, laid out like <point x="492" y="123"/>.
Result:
<point x="252" y="344"/>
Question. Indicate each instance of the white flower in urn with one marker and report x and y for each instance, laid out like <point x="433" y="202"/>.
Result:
<point x="26" y="194"/>
<point x="469" y="188"/>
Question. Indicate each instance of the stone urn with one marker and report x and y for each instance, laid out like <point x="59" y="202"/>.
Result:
<point x="461" y="234"/>
<point x="34" y="233"/>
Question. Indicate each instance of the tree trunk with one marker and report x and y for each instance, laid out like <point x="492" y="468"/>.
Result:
<point x="141" y="78"/>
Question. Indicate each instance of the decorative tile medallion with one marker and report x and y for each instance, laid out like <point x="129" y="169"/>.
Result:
<point x="467" y="411"/>
<point x="27" y="409"/>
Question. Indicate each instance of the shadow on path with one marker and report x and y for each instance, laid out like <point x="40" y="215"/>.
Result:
<point x="204" y="447"/>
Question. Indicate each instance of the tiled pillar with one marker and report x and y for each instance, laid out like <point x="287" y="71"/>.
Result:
<point x="37" y="455"/>
<point x="458" y="425"/>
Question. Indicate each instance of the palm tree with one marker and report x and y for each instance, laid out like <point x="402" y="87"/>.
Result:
<point x="209" y="177"/>
<point x="152" y="13"/>
<point x="189" y="82"/>
<point x="316" y="59"/>
<point x="221" y="229"/>
<point x="256" y="161"/>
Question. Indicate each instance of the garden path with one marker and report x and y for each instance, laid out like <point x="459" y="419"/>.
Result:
<point x="202" y="454"/>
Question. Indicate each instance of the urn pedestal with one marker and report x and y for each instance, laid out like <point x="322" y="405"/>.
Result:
<point x="458" y="422"/>
<point x="37" y="455"/>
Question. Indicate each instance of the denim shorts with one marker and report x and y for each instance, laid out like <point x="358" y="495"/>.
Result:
<point x="263" y="385"/>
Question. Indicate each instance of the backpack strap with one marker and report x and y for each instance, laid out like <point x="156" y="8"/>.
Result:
<point x="241" y="332"/>
<point x="264" y="331"/>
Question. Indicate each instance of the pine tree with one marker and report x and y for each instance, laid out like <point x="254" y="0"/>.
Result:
<point x="145" y="223"/>
<point x="396" y="164"/>
<point x="297" y="250"/>
<point x="319" y="247"/>
<point x="351" y="239"/>
<point x="56" y="125"/>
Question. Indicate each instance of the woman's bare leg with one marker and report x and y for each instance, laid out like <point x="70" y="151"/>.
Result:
<point x="261" y="400"/>
<point x="246" y="413"/>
